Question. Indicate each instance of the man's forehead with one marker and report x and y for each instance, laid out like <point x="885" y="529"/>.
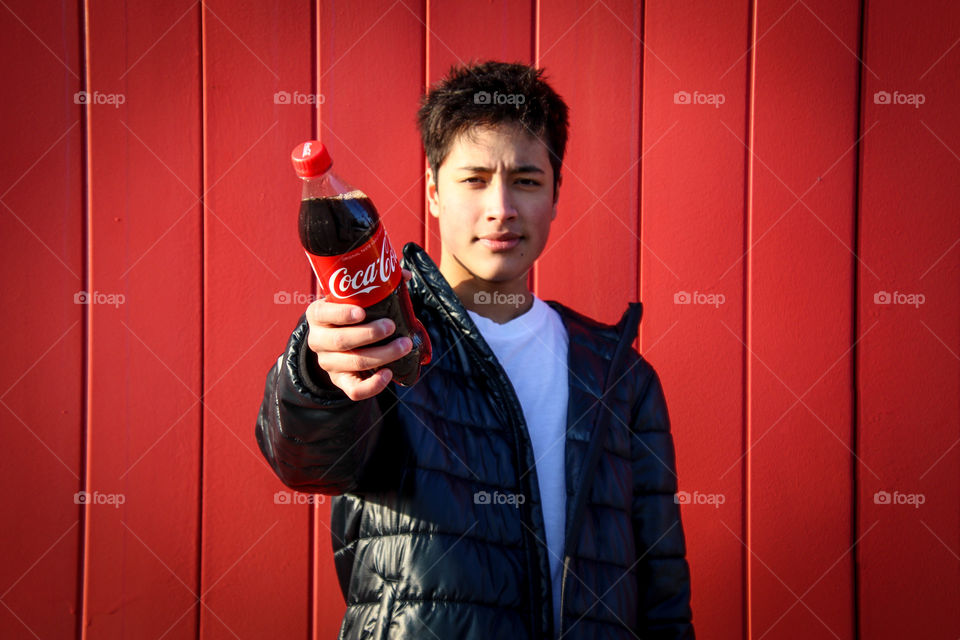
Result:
<point x="514" y="141"/>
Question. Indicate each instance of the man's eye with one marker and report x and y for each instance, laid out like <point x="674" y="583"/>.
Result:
<point x="529" y="182"/>
<point x="473" y="180"/>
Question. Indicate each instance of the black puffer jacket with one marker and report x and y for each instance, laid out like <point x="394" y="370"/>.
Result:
<point x="418" y="555"/>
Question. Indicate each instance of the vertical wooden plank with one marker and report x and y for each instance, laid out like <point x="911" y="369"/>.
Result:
<point x="143" y="126"/>
<point x="909" y="364"/>
<point x="41" y="375"/>
<point x="459" y="33"/>
<point x="591" y="51"/>
<point x="367" y="119"/>
<point x="800" y="319"/>
<point x="370" y="124"/>
<point x="691" y="278"/>
<point x="257" y="86"/>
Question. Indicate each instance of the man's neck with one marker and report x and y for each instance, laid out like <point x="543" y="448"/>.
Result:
<point x="497" y="301"/>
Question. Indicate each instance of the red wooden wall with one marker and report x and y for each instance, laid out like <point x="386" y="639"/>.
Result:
<point x="777" y="182"/>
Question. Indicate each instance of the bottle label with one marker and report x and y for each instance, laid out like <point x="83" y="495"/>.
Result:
<point x="363" y="276"/>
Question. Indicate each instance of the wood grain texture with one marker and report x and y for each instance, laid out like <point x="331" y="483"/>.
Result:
<point x="41" y="372"/>
<point x="800" y="320"/>
<point x="909" y="280"/>
<point x="692" y="270"/>
<point x="256" y="547"/>
<point x="145" y="362"/>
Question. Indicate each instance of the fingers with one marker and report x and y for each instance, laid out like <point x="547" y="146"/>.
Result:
<point x="357" y="388"/>
<point x="340" y="339"/>
<point x="364" y="359"/>
<point x="337" y="338"/>
<point x="407" y="275"/>
<point x="321" y="312"/>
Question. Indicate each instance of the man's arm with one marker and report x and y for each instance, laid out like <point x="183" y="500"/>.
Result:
<point x="315" y="437"/>
<point x="662" y="570"/>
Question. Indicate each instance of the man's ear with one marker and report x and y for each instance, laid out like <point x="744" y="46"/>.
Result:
<point x="433" y="198"/>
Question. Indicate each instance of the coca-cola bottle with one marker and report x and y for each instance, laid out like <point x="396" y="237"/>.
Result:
<point x="352" y="257"/>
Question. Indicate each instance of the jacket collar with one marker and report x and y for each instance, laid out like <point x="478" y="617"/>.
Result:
<point x="588" y="338"/>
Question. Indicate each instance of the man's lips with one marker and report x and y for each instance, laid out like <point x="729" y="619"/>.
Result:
<point x="500" y="241"/>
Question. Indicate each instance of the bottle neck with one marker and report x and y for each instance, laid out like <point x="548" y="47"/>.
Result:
<point x="324" y="185"/>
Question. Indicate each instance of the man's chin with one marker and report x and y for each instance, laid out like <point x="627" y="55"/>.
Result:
<point x="498" y="276"/>
<point x="495" y="269"/>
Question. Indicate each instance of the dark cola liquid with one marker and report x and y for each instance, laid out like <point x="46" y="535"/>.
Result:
<point x="336" y="225"/>
<point x="333" y="226"/>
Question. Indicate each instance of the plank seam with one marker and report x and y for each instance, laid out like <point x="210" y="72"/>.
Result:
<point x="855" y="356"/>
<point x="83" y="541"/>
<point x="639" y="190"/>
<point x="201" y="224"/>
<point x="747" y="306"/>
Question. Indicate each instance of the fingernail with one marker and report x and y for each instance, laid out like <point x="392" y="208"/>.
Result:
<point x="386" y="374"/>
<point x="407" y="344"/>
<point x="356" y="314"/>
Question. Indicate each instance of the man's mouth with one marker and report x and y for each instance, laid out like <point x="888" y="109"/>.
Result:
<point x="500" y="241"/>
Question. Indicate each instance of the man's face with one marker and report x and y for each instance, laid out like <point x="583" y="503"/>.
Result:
<point x="493" y="196"/>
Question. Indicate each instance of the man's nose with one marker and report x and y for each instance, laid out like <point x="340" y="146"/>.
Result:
<point x="499" y="202"/>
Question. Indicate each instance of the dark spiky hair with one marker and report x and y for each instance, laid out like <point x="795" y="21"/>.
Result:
<point x="489" y="94"/>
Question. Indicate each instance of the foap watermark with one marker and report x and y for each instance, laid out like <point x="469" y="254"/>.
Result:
<point x="499" y="497"/>
<point x="96" y="97"/>
<point x="698" y="297"/>
<point x="698" y="97"/>
<point x="295" y="497"/>
<point x="293" y="297"/>
<point x="898" y="297"/>
<point x="285" y="97"/>
<point x="97" y="297"/>
<point x="912" y="99"/>
<point x="485" y="97"/>
<point x="95" y="497"/>
<point x="713" y="499"/>
<point x="912" y="499"/>
<point x="495" y="297"/>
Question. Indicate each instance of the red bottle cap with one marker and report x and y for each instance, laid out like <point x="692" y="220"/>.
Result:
<point x="311" y="159"/>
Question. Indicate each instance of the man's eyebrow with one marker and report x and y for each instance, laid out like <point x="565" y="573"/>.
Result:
<point x="524" y="168"/>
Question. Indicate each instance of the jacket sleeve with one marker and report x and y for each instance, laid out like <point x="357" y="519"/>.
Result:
<point x="662" y="570"/>
<point x="315" y="438"/>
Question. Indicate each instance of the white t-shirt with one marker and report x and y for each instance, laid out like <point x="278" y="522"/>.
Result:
<point x="532" y="349"/>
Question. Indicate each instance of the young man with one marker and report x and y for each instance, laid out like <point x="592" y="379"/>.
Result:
<point x="523" y="487"/>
